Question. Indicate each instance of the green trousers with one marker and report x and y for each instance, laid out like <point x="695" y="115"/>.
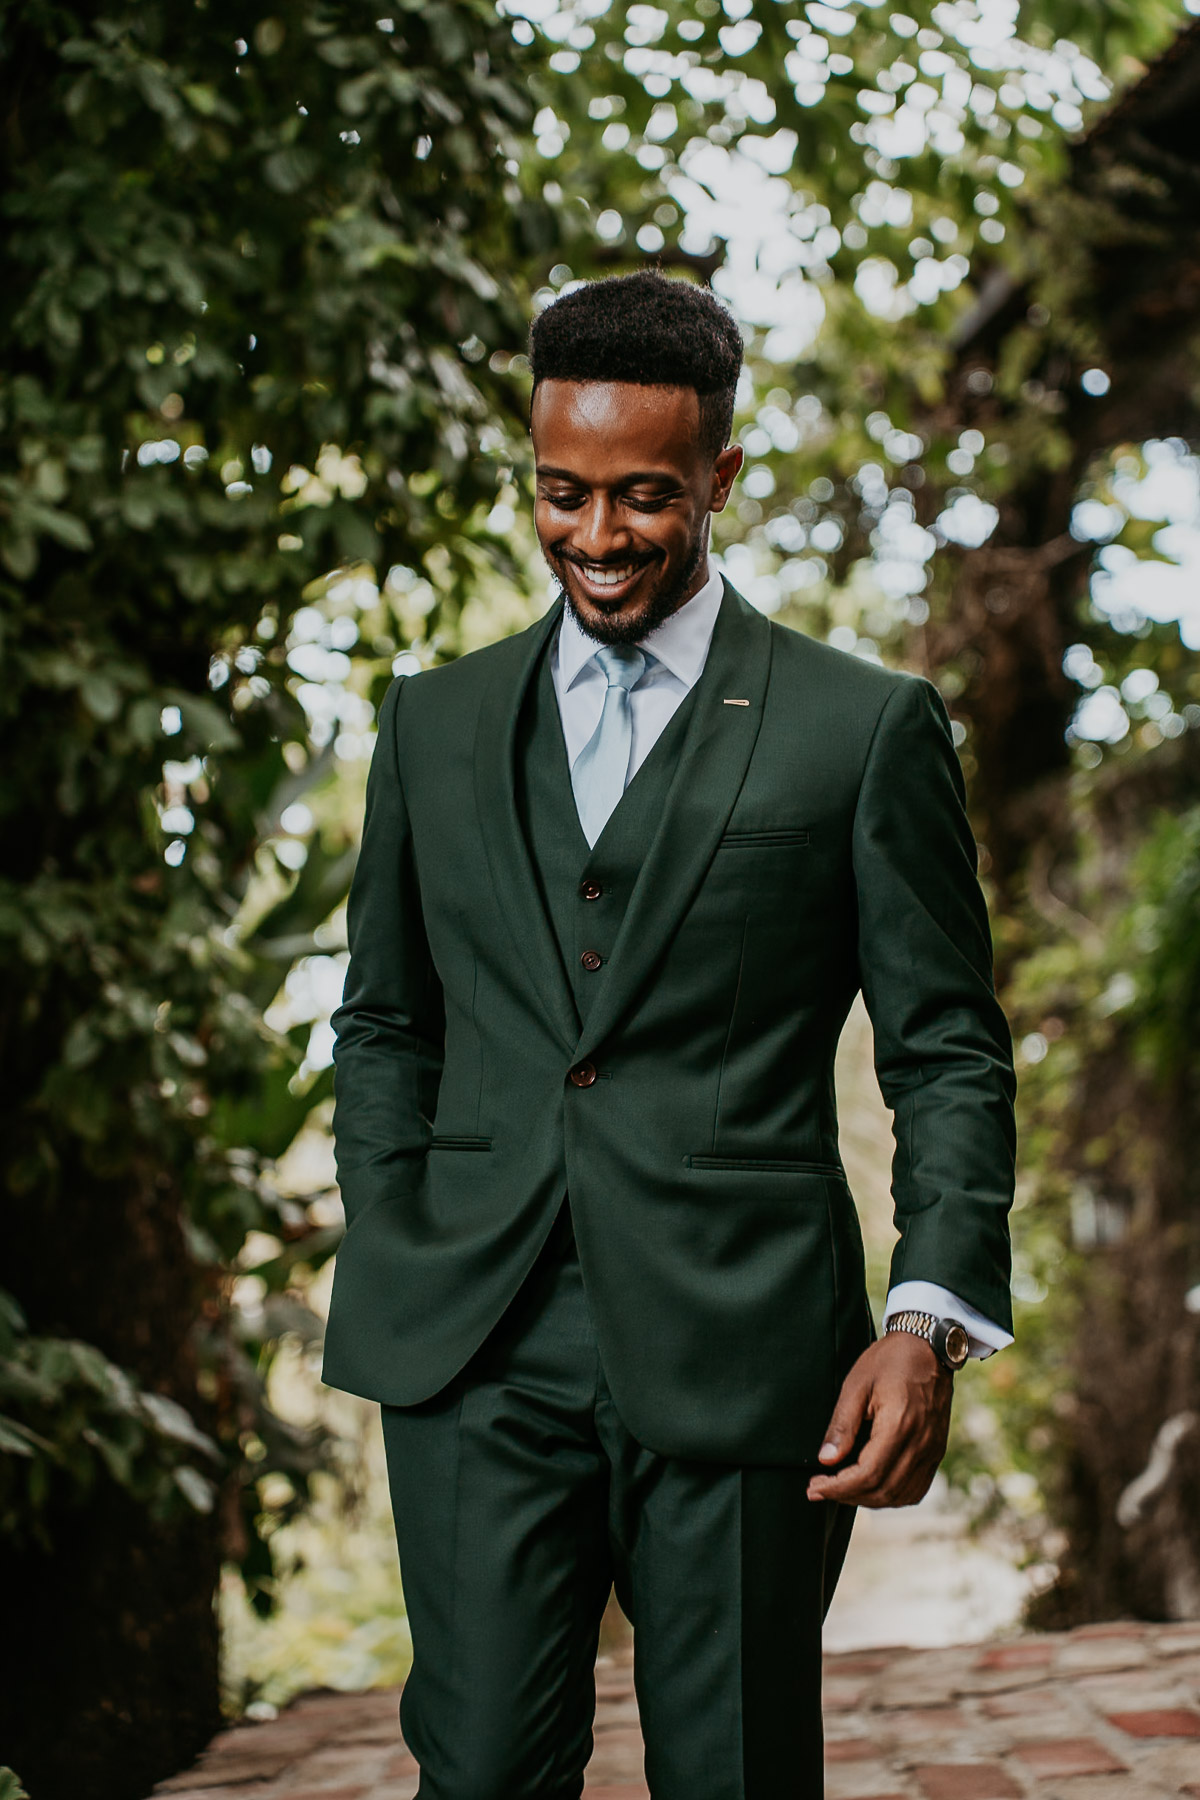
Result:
<point x="520" y="1499"/>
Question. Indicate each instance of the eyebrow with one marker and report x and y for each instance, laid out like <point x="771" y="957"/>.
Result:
<point x="660" y="476"/>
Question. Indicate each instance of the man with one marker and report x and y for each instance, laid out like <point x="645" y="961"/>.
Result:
<point x="622" y="876"/>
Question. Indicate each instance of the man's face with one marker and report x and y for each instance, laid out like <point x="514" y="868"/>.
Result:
<point x="624" y="493"/>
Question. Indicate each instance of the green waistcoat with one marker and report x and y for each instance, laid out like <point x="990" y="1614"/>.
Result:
<point x="567" y="870"/>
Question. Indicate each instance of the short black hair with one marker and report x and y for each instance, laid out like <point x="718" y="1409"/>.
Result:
<point x="646" y="329"/>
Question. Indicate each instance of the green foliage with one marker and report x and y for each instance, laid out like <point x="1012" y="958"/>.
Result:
<point x="70" y="1417"/>
<point x="1115" y="981"/>
<point x="902" y="145"/>
<point x="866" y="187"/>
<point x="10" y="1786"/>
<point x="249" y="285"/>
<point x="339" y="1619"/>
<point x="1162" y="940"/>
<point x="1103" y="1009"/>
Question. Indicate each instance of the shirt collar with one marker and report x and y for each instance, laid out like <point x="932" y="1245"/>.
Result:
<point x="680" y="643"/>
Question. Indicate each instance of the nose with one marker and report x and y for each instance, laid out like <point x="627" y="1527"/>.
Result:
<point x="598" y="534"/>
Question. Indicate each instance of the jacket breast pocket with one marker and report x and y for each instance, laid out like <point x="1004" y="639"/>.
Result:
<point x="791" y="836"/>
<point x="449" y="1141"/>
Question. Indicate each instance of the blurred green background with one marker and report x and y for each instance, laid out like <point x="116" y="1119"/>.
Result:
<point x="262" y="411"/>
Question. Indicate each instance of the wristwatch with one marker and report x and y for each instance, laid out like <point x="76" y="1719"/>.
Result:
<point x="948" y="1338"/>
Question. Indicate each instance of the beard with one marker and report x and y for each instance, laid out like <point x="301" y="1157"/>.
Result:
<point x="631" y="625"/>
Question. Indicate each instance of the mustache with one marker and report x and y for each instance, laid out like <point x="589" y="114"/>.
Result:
<point x="602" y="562"/>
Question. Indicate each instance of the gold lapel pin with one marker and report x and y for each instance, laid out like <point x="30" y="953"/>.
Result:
<point x="735" y="703"/>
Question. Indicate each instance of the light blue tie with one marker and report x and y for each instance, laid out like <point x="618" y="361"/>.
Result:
<point x="601" y="769"/>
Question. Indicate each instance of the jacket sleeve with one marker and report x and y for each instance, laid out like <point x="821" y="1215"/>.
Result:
<point x="391" y="1025"/>
<point x="943" y="1053"/>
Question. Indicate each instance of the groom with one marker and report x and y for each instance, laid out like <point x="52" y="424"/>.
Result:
<point x="622" y="876"/>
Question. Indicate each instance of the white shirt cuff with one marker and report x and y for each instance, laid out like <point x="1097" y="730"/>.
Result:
<point x="925" y="1296"/>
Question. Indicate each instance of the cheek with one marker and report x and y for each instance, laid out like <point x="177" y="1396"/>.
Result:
<point x="673" y="532"/>
<point x="547" y="523"/>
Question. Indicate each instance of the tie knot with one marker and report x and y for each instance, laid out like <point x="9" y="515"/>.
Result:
<point x="623" y="664"/>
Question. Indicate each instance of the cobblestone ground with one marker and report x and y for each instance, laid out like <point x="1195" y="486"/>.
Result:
<point x="1106" y="1713"/>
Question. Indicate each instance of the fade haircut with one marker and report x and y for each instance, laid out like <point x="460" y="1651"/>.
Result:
<point x="649" y="330"/>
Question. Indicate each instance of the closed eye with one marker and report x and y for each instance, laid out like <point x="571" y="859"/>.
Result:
<point x="643" y="503"/>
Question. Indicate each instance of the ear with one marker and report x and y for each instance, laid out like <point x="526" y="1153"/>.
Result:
<point x="725" y="471"/>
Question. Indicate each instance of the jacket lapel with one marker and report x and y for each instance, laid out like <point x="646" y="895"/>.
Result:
<point x="513" y="880"/>
<point x="712" y="765"/>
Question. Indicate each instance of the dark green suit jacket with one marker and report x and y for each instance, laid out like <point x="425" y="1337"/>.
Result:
<point x="812" y="842"/>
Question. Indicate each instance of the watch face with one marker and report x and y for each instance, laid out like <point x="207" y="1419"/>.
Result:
<point x="958" y="1346"/>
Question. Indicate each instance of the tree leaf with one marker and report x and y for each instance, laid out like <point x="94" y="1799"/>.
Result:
<point x="171" y="1420"/>
<point x="197" y="1490"/>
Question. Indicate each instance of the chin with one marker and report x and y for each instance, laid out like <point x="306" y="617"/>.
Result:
<point x="630" y="623"/>
<point x="627" y="625"/>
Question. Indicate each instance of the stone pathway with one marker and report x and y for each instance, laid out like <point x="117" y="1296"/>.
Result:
<point x="1109" y="1712"/>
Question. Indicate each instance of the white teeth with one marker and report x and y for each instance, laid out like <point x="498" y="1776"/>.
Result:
<point x="606" y="577"/>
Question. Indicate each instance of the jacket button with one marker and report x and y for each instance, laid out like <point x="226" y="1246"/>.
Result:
<point x="591" y="890"/>
<point x="591" y="959"/>
<point x="583" y="1074"/>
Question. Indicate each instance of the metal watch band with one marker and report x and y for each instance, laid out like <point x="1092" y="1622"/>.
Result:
<point x="946" y="1337"/>
<point x="920" y="1324"/>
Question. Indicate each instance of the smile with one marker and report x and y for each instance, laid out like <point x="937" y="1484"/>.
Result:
<point x="606" y="577"/>
<point x="607" y="580"/>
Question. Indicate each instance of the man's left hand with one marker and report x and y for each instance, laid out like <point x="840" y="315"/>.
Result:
<point x="901" y="1391"/>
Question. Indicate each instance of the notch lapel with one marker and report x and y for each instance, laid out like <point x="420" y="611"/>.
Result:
<point x="712" y="766"/>
<point x="513" y="879"/>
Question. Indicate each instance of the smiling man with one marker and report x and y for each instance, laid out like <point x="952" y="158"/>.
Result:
<point x="622" y="877"/>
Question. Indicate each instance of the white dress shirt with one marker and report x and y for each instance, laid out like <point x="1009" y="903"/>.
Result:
<point x="679" y="647"/>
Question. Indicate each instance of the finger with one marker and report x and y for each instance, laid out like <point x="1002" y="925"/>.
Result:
<point x="847" y="1420"/>
<point x="854" y="1486"/>
<point x="888" y="1470"/>
<point x="849" y="1487"/>
<point x="858" y="1478"/>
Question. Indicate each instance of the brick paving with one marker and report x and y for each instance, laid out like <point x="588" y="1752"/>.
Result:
<point x="1109" y="1712"/>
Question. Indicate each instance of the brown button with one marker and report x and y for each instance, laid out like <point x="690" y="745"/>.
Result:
<point x="591" y="959"/>
<point x="591" y="890"/>
<point x="583" y="1074"/>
